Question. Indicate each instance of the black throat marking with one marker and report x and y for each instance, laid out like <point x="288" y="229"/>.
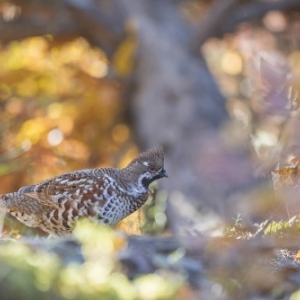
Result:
<point x="146" y="181"/>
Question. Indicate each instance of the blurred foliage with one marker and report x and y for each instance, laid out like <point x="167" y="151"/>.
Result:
<point x="283" y="228"/>
<point x="257" y="70"/>
<point x="155" y="212"/>
<point x="40" y="274"/>
<point x="57" y="104"/>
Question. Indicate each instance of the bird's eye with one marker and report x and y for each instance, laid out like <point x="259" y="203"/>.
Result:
<point x="151" y="169"/>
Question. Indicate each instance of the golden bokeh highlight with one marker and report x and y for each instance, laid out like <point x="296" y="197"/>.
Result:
<point x="120" y="133"/>
<point x="232" y="63"/>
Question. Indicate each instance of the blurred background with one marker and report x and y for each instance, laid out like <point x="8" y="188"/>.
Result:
<point x="92" y="83"/>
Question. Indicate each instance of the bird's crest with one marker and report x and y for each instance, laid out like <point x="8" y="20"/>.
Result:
<point x="153" y="156"/>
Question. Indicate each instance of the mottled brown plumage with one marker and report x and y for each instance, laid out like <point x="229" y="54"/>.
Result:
<point x="107" y="195"/>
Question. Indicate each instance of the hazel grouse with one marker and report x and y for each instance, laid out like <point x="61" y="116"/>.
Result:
<point x="107" y="195"/>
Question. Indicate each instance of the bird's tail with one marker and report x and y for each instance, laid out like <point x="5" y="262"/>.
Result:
<point x="7" y="200"/>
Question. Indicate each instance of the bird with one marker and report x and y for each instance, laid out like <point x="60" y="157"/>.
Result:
<point x="106" y="195"/>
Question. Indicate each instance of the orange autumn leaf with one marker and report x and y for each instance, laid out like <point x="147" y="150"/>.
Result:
<point x="297" y="256"/>
<point x="288" y="176"/>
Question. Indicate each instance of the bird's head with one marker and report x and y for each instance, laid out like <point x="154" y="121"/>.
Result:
<point x="148" y="166"/>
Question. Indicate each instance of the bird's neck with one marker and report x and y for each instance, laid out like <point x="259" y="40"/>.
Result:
<point x="135" y="180"/>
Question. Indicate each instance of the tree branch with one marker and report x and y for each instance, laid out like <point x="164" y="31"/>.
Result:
<point x="101" y="23"/>
<point x="226" y="15"/>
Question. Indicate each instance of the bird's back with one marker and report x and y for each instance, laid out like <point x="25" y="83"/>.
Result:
<point x="55" y="204"/>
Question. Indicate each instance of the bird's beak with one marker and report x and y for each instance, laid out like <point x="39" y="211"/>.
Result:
<point x="164" y="173"/>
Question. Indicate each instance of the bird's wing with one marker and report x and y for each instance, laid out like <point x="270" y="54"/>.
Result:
<point x="80" y="186"/>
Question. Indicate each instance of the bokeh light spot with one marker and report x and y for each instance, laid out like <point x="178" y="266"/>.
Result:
<point x="275" y="21"/>
<point x="55" y="137"/>
<point x="232" y="63"/>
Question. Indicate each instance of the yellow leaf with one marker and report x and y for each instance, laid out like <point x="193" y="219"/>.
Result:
<point x="123" y="58"/>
